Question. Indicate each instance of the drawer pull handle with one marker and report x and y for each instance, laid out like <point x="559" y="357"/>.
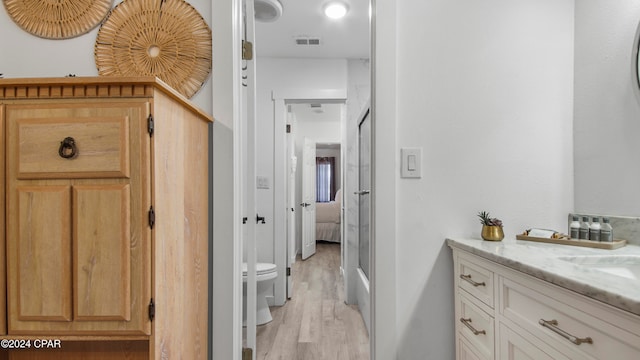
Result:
<point x="467" y="322"/>
<point x="553" y="326"/>
<point x="468" y="279"/>
<point x="68" y="149"/>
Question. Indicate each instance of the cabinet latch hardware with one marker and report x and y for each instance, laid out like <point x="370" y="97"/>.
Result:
<point x="68" y="148"/>
<point x="152" y="310"/>
<point x="259" y="219"/>
<point x="150" y="125"/>
<point x="467" y="278"/>
<point x="553" y="326"/>
<point x="467" y="322"/>
<point x="152" y="217"/>
<point x="244" y="220"/>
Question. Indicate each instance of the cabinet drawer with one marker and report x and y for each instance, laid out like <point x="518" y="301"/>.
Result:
<point x="475" y="279"/>
<point x="582" y="328"/>
<point x="512" y="345"/>
<point x="100" y="147"/>
<point x="467" y="352"/>
<point x="475" y="325"/>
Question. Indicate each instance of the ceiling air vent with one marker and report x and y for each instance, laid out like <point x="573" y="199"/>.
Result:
<point x="316" y="108"/>
<point x="306" y="41"/>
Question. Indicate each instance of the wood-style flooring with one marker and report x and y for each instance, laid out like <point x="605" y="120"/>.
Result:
<point x="315" y="323"/>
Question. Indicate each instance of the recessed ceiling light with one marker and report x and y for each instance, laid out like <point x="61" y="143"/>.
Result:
<point x="336" y="10"/>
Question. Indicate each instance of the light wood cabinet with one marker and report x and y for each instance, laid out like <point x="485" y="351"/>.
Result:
<point x="505" y="314"/>
<point x="106" y="218"/>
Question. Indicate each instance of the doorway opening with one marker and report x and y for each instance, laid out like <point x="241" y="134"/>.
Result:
<point x="317" y="287"/>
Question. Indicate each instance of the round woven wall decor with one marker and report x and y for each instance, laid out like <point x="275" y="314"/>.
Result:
<point x="168" y="39"/>
<point x="57" y="19"/>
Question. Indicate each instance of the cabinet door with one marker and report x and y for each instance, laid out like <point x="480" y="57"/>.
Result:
<point x="42" y="253"/>
<point x="78" y="240"/>
<point x="101" y="252"/>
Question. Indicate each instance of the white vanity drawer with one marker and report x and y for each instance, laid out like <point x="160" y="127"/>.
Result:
<point x="475" y="279"/>
<point x="578" y="328"/>
<point x="476" y="326"/>
<point x="515" y="345"/>
<point x="467" y="352"/>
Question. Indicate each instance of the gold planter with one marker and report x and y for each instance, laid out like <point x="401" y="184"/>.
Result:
<point x="492" y="233"/>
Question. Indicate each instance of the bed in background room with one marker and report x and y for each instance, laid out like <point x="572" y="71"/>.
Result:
<point x="328" y="219"/>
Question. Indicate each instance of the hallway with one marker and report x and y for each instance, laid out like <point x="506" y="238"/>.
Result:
<point x="315" y="323"/>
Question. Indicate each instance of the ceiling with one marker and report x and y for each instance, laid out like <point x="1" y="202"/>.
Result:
<point x="346" y="38"/>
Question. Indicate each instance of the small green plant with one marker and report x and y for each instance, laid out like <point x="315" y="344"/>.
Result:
<point x="486" y="219"/>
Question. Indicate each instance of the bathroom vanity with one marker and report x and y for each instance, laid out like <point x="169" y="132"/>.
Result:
<point x="524" y="300"/>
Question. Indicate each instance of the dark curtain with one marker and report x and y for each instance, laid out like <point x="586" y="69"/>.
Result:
<point x="325" y="179"/>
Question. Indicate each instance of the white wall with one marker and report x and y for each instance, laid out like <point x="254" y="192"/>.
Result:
<point x="488" y="96"/>
<point x="607" y="108"/>
<point x="282" y="74"/>
<point x="226" y="305"/>
<point x="26" y="55"/>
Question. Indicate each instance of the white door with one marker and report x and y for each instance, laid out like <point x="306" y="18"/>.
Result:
<point x="308" y="204"/>
<point x="291" y="205"/>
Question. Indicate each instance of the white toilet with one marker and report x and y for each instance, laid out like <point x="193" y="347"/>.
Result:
<point x="265" y="274"/>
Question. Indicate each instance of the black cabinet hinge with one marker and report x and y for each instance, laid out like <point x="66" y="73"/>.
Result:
<point x="152" y="310"/>
<point x="150" y="125"/>
<point x="288" y="271"/>
<point x="152" y="217"/>
<point x="288" y="128"/>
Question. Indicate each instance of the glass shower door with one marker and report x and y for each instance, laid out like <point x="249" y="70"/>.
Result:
<point x="364" y="203"/>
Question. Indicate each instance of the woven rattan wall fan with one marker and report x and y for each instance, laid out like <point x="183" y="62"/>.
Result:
<point x="168" y="39"/>
<point x="57" y="19"/>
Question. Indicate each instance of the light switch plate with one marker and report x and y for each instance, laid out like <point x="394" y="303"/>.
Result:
<point x="411" y="162"/>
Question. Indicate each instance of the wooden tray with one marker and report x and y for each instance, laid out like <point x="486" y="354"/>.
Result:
<point x="575" y="242"/>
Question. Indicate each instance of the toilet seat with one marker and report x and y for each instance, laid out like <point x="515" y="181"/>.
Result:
<point x="261" y="269"/>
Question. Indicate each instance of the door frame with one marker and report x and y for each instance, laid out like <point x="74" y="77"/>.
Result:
<point x="227" y="255"/>
<point x="281" y="98"/>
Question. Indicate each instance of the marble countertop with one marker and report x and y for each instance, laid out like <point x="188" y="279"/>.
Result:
<point x="542" y="261"/>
